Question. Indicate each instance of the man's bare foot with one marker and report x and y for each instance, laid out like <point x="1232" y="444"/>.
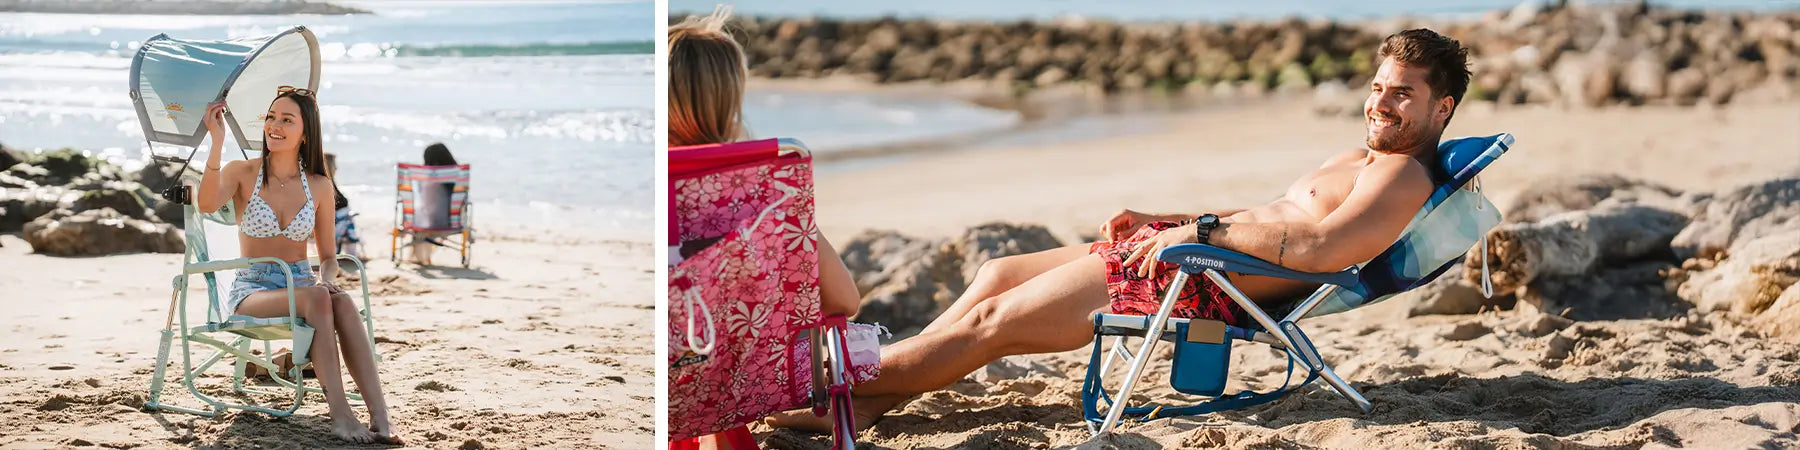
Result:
<point x="866" y="411"/>
<point x="351" y="430"/>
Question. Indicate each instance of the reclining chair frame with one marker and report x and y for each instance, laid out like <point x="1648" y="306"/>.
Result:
<point x="1284" y="335"/>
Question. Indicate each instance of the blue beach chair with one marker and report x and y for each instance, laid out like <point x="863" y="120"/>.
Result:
<point x="1454" y="219"/>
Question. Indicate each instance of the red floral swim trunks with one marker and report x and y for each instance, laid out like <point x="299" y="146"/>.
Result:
<point x="1138" y="295"/>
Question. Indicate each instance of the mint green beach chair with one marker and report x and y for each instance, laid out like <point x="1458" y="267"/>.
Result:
<point x="233" y="335"/>
<point x="1455" y="218"/>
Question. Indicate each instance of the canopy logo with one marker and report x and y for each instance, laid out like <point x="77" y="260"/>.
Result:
<point x="174" y="107"/>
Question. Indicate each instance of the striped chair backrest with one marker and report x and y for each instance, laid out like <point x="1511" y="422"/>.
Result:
<point x="432" y="197"/>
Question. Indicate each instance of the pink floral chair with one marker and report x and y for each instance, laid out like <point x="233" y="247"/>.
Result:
<point x="746" y="338"/>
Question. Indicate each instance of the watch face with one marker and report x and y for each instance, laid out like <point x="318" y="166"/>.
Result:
<point x="1209" y="220"/>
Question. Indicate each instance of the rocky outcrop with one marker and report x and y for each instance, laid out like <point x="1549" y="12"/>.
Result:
<point x="1547" y="197"/>
<point x="906" y="282"/>
<point x="120" y="199"/>
<point x="8" y="157"/>
<point x="98" y="232"/>
<point x="74" y="183"/>
<point x="1606" y="247"/>
<point x="1782" y="319"/>
<point x="1749" y="280"/>
<point x="1730" y="218"/>
<point x="22" y="205"/>
<point x="1575" y="55"/>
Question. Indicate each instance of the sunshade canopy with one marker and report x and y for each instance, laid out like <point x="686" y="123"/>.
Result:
<point x="172" y="81"/>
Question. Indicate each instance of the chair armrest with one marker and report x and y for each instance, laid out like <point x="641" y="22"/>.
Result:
<point x="1195" y="258"/>
<point x="225" y="264"/>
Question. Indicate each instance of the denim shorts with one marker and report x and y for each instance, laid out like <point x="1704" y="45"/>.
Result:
<point x="266" y="276"/>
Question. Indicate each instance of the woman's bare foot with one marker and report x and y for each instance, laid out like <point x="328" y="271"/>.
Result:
<point x="349" y="429"/>
<point x="866" y="411"/>
<point x="384" y="432"/>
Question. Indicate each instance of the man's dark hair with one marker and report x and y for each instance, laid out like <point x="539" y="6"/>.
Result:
<point x="1446" y="59"/>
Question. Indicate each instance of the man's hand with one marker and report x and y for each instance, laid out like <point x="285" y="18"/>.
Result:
<point x="1148" y="248"/>
<point x="1124" y="223"/>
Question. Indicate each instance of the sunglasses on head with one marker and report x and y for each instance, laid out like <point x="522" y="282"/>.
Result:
<point x="295" y="90"/>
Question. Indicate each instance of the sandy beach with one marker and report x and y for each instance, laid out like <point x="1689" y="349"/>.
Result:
<point x="543" y="343"/>
<point x="1513" y="378"/>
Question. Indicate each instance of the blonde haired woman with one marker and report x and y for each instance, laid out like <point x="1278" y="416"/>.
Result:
<point x="707" y="74"/>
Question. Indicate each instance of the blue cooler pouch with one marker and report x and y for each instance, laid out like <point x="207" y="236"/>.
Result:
<point x="1202" y="358"/>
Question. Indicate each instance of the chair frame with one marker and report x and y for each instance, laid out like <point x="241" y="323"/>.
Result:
<point x="1284" y="335"/>
<point x="246" y="329"/>
<point x="464" y="242"/>
<point x="1289" y="340"/>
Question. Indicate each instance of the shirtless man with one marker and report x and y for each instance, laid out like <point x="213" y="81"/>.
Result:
<point x="1345" y="212"/>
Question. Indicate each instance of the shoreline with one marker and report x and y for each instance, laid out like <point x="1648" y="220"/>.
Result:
<point x="1039" y="112"/>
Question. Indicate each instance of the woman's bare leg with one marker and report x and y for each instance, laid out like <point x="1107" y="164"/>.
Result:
<point x="421" y="251"/>
<point x="837" y="290"/>
<point x="313" y="303"/>
<point x="998" y="275"/>
<point x="359" y="357"/>
<point x="1048" y="313"/>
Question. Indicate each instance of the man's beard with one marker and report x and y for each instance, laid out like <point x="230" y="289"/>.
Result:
<point x="1406" y="135"/>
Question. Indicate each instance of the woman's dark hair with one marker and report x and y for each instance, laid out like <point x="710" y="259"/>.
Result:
<point x="437" y="154"/>
<point x="312" y="146"/>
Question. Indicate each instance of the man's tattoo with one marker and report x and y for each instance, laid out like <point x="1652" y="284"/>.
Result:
<point x="1282" y="255"/>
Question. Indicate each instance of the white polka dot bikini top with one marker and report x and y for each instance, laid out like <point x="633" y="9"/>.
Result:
<point x="260" y="221"/>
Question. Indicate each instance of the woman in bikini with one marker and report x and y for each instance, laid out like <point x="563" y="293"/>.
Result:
<point x="277" y="214"/>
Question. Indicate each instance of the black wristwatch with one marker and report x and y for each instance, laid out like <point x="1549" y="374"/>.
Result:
<point x="1203" y="227"/>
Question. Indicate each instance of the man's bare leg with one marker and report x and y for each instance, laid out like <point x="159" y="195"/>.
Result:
<point x="359" y="357"/>
<point x="1049" y="313"/>
<point x="313" y="303"/>
<point x="999" y="275"/>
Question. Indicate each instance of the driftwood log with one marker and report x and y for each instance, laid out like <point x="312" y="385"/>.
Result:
<point x="1575" y="243"/>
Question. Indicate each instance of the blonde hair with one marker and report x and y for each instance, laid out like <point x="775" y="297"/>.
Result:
<point x="707" y="73"/>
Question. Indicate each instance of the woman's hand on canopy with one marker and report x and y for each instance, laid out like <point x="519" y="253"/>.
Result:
<point x="214" y="120"/>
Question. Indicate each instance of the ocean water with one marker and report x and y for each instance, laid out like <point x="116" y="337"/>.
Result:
<point x="835" y="122"/>
<point x="829" y="122"/>
<point x="551" y="103"/>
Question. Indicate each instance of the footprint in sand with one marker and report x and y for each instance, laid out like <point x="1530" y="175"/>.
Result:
<point x="436" y="386"/>
<point x="57" y="402"/>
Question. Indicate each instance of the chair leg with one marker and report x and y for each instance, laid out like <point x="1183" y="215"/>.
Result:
<point x="1299" y="349"/>
<point x="162" y="364"/>
<point x="238" y="365"/>
<point x="1152" y="335"/>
